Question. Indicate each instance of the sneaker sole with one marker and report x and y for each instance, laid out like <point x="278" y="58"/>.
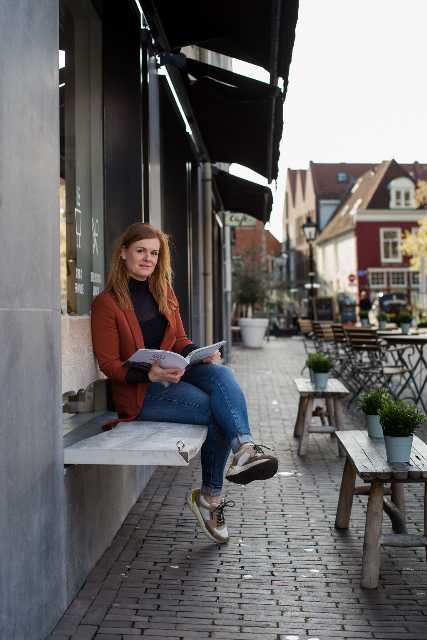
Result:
<point x="258" y="471"/>
<point x="193" y="507"/>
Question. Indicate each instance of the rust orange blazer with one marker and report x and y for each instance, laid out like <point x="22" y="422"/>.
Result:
<point x="116" y="335"/>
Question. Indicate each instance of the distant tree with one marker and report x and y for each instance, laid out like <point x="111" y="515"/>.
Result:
<point x="421" y="194"/>
<point x="414" y="245"/>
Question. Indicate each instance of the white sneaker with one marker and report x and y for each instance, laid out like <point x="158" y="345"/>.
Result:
<point x="210" y="518"/>
<point x="251" y="463"/>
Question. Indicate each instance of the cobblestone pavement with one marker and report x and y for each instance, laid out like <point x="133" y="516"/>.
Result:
<point x="286" y="574"/>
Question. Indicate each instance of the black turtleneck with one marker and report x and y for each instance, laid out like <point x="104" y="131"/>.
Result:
<point x="152" y="322"/>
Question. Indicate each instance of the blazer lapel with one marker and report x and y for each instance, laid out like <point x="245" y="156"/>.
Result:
<point x="169" y="334"/>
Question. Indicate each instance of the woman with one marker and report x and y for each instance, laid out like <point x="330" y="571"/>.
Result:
<point x="139" y="309"/>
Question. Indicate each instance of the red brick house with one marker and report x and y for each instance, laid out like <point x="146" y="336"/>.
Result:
<point x="359" y="249"/>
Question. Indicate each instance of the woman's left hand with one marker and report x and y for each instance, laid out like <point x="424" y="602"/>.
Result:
<point x="213" y="358"/>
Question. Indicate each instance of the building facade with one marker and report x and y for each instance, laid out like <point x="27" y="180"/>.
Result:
<point x="316" y="192"/>
<point x="360" y="249"/>
<point x="117" y="132"/>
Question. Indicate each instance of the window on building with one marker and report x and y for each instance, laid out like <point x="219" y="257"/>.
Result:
<point x="402" y="193"/>
<point x="415" y="279"/>
<point x="390" y="240"/>
<point x="81" y="155"/>
<point x="342" y="176"/>
<point x="397" y="278"/>
<point x="377" y="279"/>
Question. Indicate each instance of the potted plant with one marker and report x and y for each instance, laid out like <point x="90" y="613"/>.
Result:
<point x="364" y="317"/>
<point x="320" y="365"/>
<point x="382" y="320"/>
<point x="370" y="403"/>
<point x="250" y="292"/>
<point x="308" y="364"/>
<point x="399" y="420"/>
<point x="405" y="320"/>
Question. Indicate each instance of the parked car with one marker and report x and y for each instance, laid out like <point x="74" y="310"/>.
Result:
<point x="390" y="303"/>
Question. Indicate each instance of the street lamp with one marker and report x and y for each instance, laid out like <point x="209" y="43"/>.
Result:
<point x="310" y="232"/>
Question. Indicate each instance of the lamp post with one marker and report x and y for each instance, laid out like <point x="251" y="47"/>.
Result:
<point x="310" y="232"/>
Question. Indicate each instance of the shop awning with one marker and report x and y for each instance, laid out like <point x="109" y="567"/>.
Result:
<point x="258" y="31"/>
<point x="243" y="196"/>
<point x="240" y="119"/>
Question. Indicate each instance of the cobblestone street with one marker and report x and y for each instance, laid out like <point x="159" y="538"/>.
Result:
<point x="286" y="574"/>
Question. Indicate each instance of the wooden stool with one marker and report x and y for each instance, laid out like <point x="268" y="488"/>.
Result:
<point x="366" y="458"/>
<point x="333" y="395"/>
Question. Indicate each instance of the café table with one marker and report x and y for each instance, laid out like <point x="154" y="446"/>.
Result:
<point x="415" y="356"/>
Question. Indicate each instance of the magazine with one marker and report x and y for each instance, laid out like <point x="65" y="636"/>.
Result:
<point x="169" y="359"/>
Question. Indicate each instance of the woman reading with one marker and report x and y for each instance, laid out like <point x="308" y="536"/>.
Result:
<point x="138" y="309"/>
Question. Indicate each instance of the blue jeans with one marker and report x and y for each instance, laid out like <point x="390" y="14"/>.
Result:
<point x="207" y="394"/>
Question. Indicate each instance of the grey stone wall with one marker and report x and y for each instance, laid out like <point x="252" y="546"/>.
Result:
<point x="32" y="580"/>
<point x="98" y="499"/>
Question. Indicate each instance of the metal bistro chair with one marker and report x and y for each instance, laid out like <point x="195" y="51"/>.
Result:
<point x="324" y="338"/>
<point x="306" y="328"/>
<point x="342" y="353"/>
<point x="372" y="364"/>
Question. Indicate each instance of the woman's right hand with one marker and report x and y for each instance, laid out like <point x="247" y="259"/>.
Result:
<point x="157" y="374"/>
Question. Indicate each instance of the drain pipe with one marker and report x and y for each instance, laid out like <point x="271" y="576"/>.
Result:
<point x="207" y="251"/>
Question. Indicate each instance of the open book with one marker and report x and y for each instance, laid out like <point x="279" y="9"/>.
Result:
<point x="171" y="360"/>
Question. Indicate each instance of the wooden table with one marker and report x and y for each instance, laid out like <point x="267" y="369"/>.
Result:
<point x="367" y="459"/>
<point x="415" y="358"/>
<point x="333" y="396"/>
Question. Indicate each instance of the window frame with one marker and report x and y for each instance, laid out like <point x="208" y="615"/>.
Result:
<point x="393" y="285"/>
<point x="383" y="230"/>
<point x="383" y="272"/>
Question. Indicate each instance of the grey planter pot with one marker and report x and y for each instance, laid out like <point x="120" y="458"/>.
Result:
<point x="374" y="427"/>
<point x="398" y="448"/>
<point x="320" y="380"/>
<point x="365" y="322"/>
<point x="405" y="326"/>
<point x="382" y="325"/>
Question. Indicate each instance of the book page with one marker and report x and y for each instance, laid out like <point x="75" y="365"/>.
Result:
<point x="168" y="359"/>
<point x="203" y="352"/>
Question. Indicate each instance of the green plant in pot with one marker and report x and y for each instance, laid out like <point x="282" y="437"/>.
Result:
<point x="364" y="318"/>
<point x="399" y="420"/>
<point x="370" y="403"/>
<point x="405" y="320"/>
<point x="320" y="365"/>
<point x="382" y="320"/>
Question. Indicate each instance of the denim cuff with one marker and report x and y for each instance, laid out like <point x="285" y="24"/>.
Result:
<point x="210" y="491"/>
<point x="240" y="439"/>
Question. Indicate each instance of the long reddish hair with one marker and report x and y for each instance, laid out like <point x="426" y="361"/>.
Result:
<point x="160" y="281"/>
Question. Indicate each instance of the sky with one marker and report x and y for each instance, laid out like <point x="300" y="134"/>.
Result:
<point x="357" y="87"/>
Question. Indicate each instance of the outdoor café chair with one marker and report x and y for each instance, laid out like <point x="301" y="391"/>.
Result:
<point x="373" y="364"/>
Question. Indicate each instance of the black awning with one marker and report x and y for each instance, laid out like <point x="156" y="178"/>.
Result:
<point x="258" y="31"/>
<point x="240" y="119"/>
<point x="243" y="196"/>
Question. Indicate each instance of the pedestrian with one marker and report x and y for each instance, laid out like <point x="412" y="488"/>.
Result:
<point x="137" y="309"/>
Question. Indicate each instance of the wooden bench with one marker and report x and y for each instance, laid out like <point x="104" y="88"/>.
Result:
<point x="367" y="459"/>
<point x="308" y="394"/>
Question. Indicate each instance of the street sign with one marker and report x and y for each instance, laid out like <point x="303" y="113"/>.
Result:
<point x="239" y="220"/>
